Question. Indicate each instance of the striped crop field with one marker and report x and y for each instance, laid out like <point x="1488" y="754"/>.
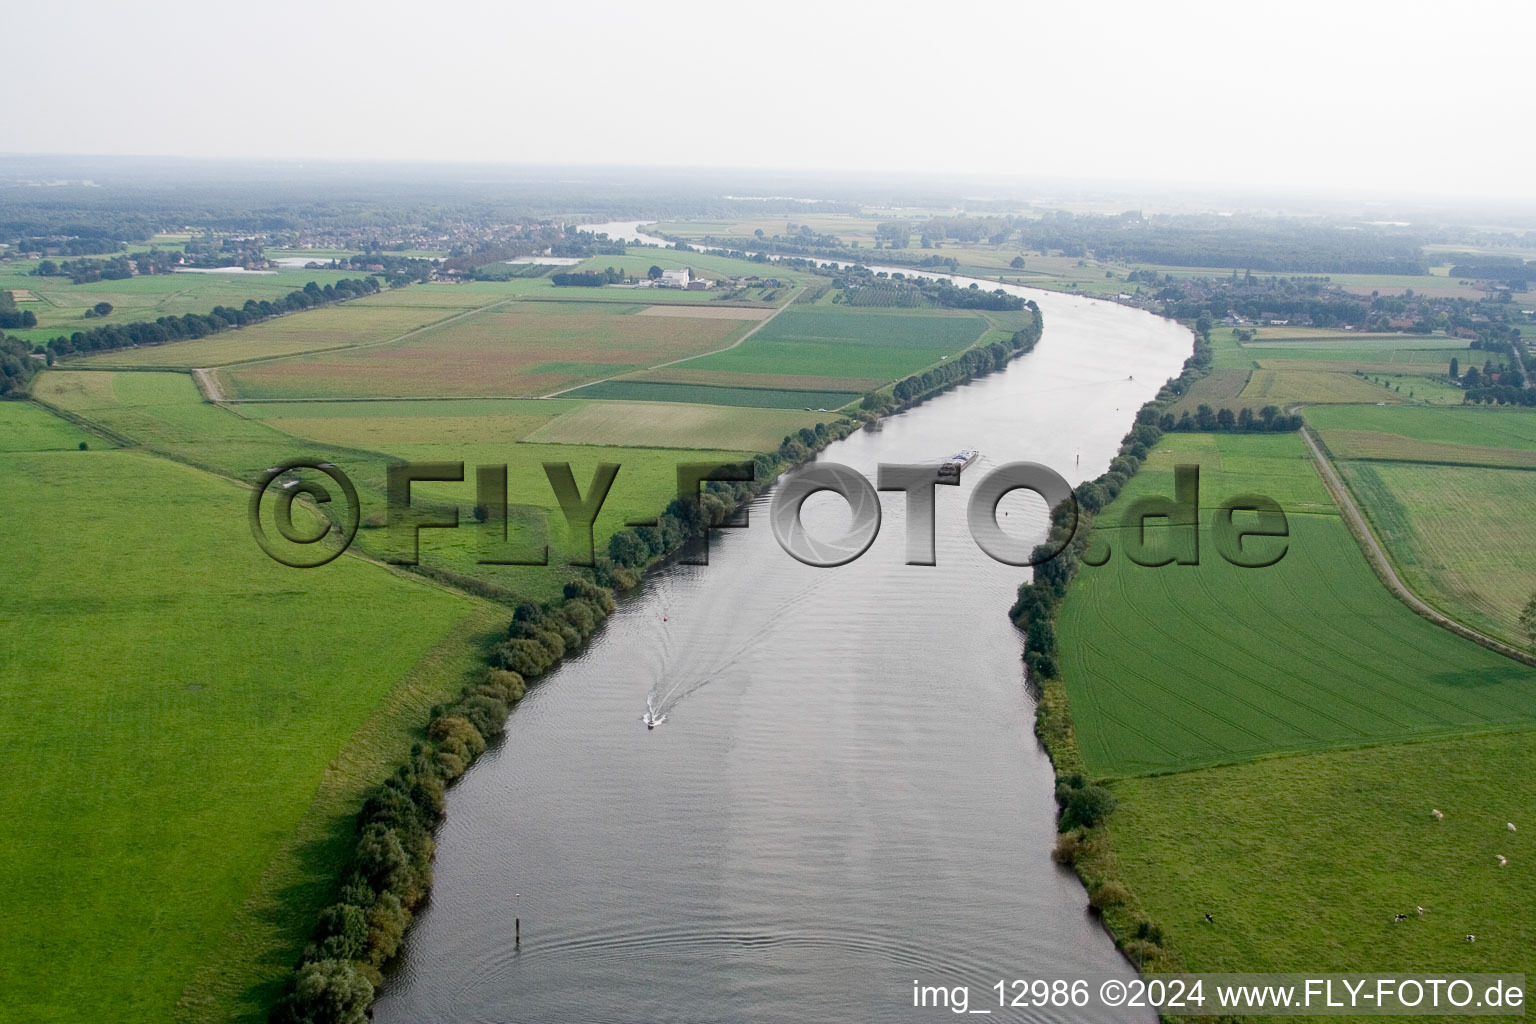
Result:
<point x="1192" y="665"/>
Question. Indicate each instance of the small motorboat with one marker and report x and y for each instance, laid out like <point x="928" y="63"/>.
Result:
<point x="652" y="718"/>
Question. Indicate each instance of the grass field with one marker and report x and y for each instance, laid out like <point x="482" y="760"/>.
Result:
<point x="1304" y="861"/>
<point x="1370" y="444"/>
<point x="165" y="413"/>
<point x="379" y="425"/>
<point x="752" y="398"/>
<point x="358" y="322"/>
<point x="1312" y="387"/>
<point x="839" y="325"/>
<point x="1416" y="358"/>
<point x="525" y="349"/>
<point x="26" y="428"/>
<point x="673" y="426"/>
<point x="818" y="359"/>
<point x="1462" y="537"/>
<point x="1187" y="666"/>
<point x="152" y="780"/>
<point x="1219" y="390"/>
<point x="1462" y="425"/>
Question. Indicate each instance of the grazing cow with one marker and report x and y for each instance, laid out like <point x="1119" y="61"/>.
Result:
<point x="1436" y="814"/>
<point x="1511" y="826"/>
<point x="1420" y="910"/>
<point x="1502" y="861"/>
<point x="1210" y="919"/>
<point x="1400" y="918"/>
<point x="1471" y="938"/>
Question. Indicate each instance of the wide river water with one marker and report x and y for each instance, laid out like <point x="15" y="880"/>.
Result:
<point x="847" y="796"/>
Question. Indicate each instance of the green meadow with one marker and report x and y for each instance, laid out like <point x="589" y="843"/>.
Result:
<point x="26" y="428"/>
<point x="1304" y="862"/>
<point x="1490" y="426"/>
<point x="164" y="413"/>
<point x="155" y="782"/>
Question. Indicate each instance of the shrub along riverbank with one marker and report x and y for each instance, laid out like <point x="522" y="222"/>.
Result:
<point x="1085" y="807"/>
<point x="390" y="871"/>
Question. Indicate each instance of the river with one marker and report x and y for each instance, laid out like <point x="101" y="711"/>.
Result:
<point x="847" y="797"/>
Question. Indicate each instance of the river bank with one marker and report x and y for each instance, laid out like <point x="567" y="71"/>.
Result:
<point x="390" y="874"/>
<point x="848" y="791"/>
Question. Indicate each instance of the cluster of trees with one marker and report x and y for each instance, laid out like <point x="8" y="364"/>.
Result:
<point x="944" y="293"/>
<point x="862" y="288"/>
<point x="220" y="318"/>
<point x="635" y="547"/>
<point x="118" y="268"/>
<point x="588" y="278"/>
<point x="209" y="251"/>
<point x="1208" y="420"/>
<point x="16" y="366"/>
<point x="398" y="271"/>
<point x="974" y="362"/>
<point x="12" y="318"/>
<point x="84" y="271"/>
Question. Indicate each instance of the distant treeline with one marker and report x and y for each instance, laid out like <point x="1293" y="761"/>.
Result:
<point x="199" y="325"/>
<point x="1500" y="394"/>
<point x="1237" y="242"/>
<point x="1495" y="268"/>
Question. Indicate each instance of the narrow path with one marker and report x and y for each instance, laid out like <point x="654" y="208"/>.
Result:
<point x="1377" y="556"/>
<point x="208" y="383"/>
<point x="673" y="362"/>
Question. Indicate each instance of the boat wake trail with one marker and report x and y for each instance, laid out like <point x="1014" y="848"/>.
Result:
<point x="663" y="698"/>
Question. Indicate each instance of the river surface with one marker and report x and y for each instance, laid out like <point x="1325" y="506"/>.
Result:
<point x="847" y="796"/>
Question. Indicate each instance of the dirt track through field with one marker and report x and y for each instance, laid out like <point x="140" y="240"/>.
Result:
<point x="1377" y="556"/>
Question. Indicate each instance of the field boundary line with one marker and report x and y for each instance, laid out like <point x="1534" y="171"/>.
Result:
<point x="1381" y="563"/>
<point x="121" y="440"/>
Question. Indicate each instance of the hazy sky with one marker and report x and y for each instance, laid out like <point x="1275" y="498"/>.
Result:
<point x="1395" y="97"/>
